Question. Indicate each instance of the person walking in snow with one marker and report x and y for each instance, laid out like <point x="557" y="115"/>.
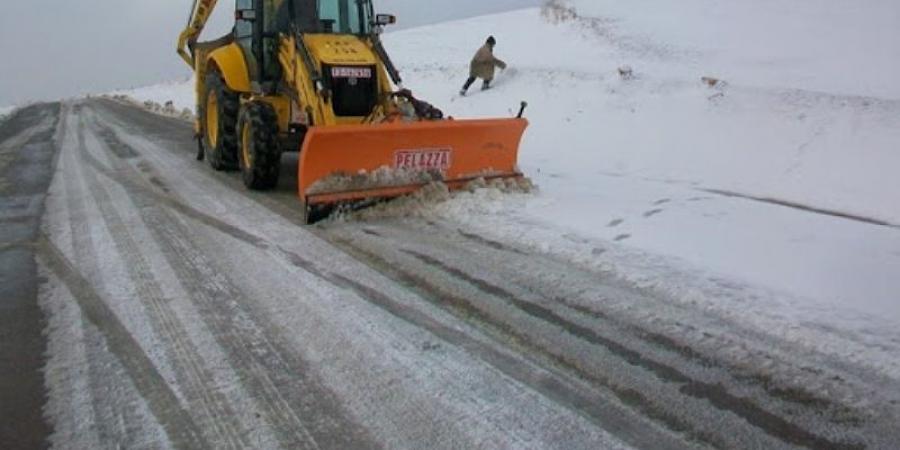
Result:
<point x="483" y="65"/>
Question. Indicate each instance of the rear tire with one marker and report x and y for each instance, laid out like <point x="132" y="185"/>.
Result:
<point x="219" y="115"/>
<point x="259" y="154"/>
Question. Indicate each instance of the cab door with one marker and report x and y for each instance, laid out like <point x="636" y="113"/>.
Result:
<point x="254" y="31"/>
<point x="245" y="25"/>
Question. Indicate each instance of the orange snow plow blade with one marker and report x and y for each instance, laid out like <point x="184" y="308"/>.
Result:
<point x="350" y="163"/>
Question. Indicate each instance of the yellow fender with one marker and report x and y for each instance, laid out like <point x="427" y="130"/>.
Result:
<point x="230" y="61"/>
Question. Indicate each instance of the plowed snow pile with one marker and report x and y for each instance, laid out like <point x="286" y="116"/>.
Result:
<point x="382" y="177"/>
<point x="180" y="93"/>
<point x="431" y="199"/>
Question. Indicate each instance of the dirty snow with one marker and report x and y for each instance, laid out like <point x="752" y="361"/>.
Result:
<point x="382" y="177"/>
<point x="72" y="344"/>
<point x="390" y="177"/>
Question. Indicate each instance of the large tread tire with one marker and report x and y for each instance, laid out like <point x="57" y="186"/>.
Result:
<point x="221" y="150"/>
<point x="259" y="153"/>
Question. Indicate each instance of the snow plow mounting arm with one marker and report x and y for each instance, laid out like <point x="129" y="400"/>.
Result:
<point x="200" y="13"/>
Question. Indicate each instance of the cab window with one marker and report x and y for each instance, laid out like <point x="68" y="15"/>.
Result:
<point x="343" y="17"/>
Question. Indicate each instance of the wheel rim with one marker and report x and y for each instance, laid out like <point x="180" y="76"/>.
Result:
<point x="212" y="119"/>
<point x="245" y="145"/>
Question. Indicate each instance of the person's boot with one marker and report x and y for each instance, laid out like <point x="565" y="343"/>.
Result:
<point x="466" y="86"/>
<point x="201" y="154"/>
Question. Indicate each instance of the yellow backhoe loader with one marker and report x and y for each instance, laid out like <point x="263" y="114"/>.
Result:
<point x="313" y="76"/>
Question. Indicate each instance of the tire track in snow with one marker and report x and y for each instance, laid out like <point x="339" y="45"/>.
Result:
<point x="559" y="389"/>
<point x="661" y="342"/>
<point x="300" y="408"/>
<point x="714" y="393"/>
<point x="106" y="401"/>
<point x="174" y="333"/>
<point x="114" y="414"/>
<point x="801" y="403"/>
<point x="595" y="407"/>
<point x="810" y="385"/>
<point x="180" y="427"/>
<point x="563" y="391"/>
<point x="193" y="377"/>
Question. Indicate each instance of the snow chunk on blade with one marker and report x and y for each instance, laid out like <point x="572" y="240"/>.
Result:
<point x="382" y="177"/>
<point x="422" y="202"/>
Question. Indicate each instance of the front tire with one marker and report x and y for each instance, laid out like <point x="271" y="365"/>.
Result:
<point x="219" y="117"/>
<point x="259" y="154"/>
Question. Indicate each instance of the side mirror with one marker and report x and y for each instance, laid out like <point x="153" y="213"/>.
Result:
<point x="244" y="10"/>
<point x="385" y="19"/>
<point x="247" y="14"/>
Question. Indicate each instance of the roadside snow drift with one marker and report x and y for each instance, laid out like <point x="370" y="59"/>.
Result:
<point x="180" y="93"/>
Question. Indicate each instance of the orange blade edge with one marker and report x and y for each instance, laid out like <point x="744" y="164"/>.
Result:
<point x="478" y="148"/>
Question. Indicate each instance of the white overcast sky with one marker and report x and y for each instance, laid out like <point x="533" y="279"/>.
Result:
<point x="54" y="49"/>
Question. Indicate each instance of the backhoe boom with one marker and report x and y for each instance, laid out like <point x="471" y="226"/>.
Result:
<point x="200" y="13"/>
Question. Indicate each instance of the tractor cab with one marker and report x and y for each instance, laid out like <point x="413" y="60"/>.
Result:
<point x="259" y="24"/>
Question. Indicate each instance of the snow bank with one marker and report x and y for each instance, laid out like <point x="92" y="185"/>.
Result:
<point x="173" y="99"/>
<point x="180" y="93"/>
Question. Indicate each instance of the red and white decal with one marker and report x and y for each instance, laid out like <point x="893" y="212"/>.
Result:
<point x="351" y="72"/>
<point x="424" y="159"/>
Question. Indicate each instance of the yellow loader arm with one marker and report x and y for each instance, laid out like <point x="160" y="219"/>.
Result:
<point x="200" y="13"/>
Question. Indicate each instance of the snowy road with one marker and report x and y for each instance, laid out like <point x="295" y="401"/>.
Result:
<point x="186" y="312"/>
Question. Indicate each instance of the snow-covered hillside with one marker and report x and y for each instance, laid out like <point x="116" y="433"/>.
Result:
<point x="4" y="110"/>
<point x="645" y="162"/>
<point x="792" y="141"/>
<point x="828" y="46"/>
<point x="776" y="185"/>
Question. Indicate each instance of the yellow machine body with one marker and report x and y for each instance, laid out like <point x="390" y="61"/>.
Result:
<point x="332" y="97"/>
